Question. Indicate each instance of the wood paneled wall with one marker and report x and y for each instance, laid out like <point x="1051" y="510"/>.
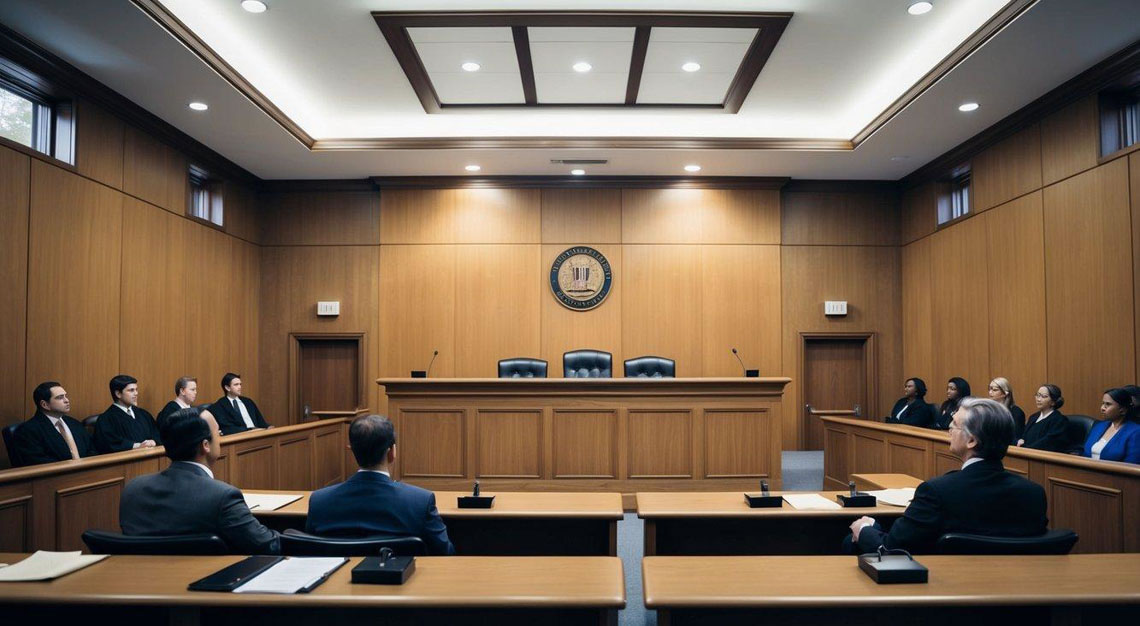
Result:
<point x="102" y="273"/>
<point x="1039" y="283"/>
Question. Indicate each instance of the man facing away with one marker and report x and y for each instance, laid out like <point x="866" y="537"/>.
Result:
<point x="185" y="499"/>
<point x="370" y="502"/>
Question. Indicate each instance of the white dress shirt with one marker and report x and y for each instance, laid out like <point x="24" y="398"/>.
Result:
<point x="1097" y="448"/>
<point x="1043" y="415"/>
<point x="971" y="461"/>
<point x="244" y="413"/>
<point x="57" y="423"/>
<point x="181" y="404"/>
<point x="126" y="409"/>
<point x="204" y="468"/>
<point x="375" y="471"/>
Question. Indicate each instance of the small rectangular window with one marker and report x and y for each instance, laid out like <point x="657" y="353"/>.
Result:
<point x="1119" y="120"/>
<point x="205" y="196"/>
<point x="33" y="119"/>
<point x="957" y="204"/>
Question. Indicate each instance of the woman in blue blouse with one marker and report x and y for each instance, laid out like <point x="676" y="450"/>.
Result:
<point x="1117" y="436"/>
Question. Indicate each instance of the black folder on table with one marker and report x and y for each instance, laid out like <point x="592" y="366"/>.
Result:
<point x="236" y="575"/>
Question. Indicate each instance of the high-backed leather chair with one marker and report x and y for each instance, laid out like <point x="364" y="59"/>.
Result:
<point x="297" y="543"/>
<point x="650" y="367"/>
<point x="103" y="542"/>
<point x="1058" y="541"/>
<point x="90" y="421"/>
<point x="587" y="364"/>
<point x="9" y="433"/>
<point x="522" y="368"/>
<point x="1079" y="427"/>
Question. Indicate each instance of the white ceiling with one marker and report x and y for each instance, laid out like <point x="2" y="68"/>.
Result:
<point x="328" y="68"/>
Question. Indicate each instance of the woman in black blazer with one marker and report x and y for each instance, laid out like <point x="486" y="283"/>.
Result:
<point x="1001" y="391"/>
<point x="1048" y="428"/>
<point x="912" y="409"/>
<point x="956" y="389"/>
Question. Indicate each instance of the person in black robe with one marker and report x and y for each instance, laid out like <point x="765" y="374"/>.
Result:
<point x="125" y="425"/>
<point x="228" y="409"/>
<point x="185" y="394"/>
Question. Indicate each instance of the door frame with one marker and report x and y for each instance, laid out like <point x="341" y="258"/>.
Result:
<point x="869" y="358"/>
<point x="295" y="340"/>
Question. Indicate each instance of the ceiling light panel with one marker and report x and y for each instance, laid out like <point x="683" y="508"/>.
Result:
<point x="554" y="51"/>
<point x="719" y="51"/>
<point x="443" y="52"/>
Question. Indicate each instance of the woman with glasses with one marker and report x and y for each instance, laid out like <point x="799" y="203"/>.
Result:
<point x="912" y="409"/>
<point x="1117" y="436"/>
<point x="1001" y="391"/>
<point x="1048" y="428"/>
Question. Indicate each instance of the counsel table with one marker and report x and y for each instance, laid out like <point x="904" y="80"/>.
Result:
<point x="520" y="523"/>
<point x="447" y="590"/>
<point x="722" y="523"/>
<point x="827" y="590"/>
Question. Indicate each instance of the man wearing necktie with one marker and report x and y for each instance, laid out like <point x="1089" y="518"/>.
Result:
<point x="125" y="425"/>
<point x="50" y="435"/>
<point x="234" y="412"/>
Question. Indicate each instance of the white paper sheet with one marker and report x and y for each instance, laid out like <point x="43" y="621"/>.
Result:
<point x="894" y="497"/>
<point x="269" y="501"/>
<point x="291" y="575"/>
<point x="810" y="502"/>
<point x="44" y="565"/>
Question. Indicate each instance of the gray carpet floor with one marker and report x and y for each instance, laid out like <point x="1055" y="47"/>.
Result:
<point x="803" y="471"/>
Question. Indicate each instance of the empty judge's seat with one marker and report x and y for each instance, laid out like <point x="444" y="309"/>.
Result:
<point x="522" y="368"/>
<point x="103" y="542"/>
<point x="297" y="543"/>
<point x="650" y="367"/>
<point x="1079" y="427"/>
<point x="587" y="364"/>
<point x="1059" y="541"/>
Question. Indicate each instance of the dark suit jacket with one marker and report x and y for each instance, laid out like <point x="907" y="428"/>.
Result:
<point x="116" y="431"/>
<point x="982" y="499"/>
<point x="919" y="414"/>
<point x="183" y="500"/>
<point x="37" y="441"/>
<point x="1051" y="434"/>
<point x="170" y="407"/>
<point x="230" y="421"/>
<point x="370" y="503"/>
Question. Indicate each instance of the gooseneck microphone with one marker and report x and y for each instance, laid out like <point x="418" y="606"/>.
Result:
<point x="434" y="354"/>
<point x="743" y="370"/>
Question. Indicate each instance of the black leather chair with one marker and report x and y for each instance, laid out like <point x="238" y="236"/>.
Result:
<point x="1079" y="427"/>
<point x="587" y="364"/>
<point x="522" y="368"/>
<point x="1052" y="542"/>
<point x="103" y="542"/>
<point x="297" y="543"/>
<point x="90" y="421"/>
<point x="9" y="433"/>
<point x="650" y="367"/>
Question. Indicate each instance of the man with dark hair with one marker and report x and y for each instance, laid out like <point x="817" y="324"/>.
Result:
<point x="185" y="499"/>
<point x="50" y="435"/>
<point x="370" y="502"/>
<point x="236" y="413"/>
<point x="185" y="395"/>
<point x="125" y="425"/>
<point x="982" y="498"/>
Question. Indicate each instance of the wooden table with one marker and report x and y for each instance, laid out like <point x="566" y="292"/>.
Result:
<point x="520" y="523"/>
<point x="1102" y="589"/>
<point x="721" y="523"/>
<point x="884" y="481"/>
<point x="442" y="590"/>
<point x="587" y="434"/>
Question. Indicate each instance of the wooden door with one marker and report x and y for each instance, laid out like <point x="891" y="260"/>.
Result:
<point x="329" y="376"/>
<point x="835" y="379"/>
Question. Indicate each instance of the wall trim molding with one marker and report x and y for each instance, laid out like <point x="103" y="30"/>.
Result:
<point x="575" y="182"/>
<point x="582" y="143"/>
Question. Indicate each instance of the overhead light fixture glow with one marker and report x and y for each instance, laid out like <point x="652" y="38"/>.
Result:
<point x="578" y="172"/>
<point x="693" y="168"/>
<point x="472" y="168"/>
<point x="691" y="66"/>
<point x="582" y="66"/>
<point x="470" y="66"/>
<point x="966" y="107"/>
<point x="920" y="7"/>
<point x="900" y="158"/>
<point x="199" y="106"/>
<point x="254" y="6"/>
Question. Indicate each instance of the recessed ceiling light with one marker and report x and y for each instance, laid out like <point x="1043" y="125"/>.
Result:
<point x="254" y="6"/>
<point x="966" y="107"/>
<point x="920" y="7"/>
<point x="582" y="66"/>
<point x="900" y="158"/>
<point x="691" y="66"/>
<point x="472" y="168"/>
<point x="470" y="66"/>
<point x="693" y="168"/>
<point x="578" y="172"/>
<point x="199" y="106"/>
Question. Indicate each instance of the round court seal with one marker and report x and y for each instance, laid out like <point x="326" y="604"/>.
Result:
<point x="581" y="278"/>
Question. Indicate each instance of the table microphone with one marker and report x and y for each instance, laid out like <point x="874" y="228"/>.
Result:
<point x="743" y="370"/>
<point x="434" y="354"/>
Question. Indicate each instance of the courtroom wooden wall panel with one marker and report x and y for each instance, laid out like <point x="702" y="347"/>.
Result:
<point x="320" y="218"/>
<point x="960" y="307"/>
<point x="497" y="310"/>
<point x="155" y="172"/>
<point x="15" y="395"/>
<point x="575" y="216"/>
<point x="661" y="215"/>
<point x="1070" y="140"/>
<point x="417" y="216"/>
<point x="917" y="338"/>
<point x="497" y="215"/>
<point x="742" y="286"/>
<point x="99" y="145"/>
<point x="1134" y="165"/>
<point x="509" y="443"/>
<point x="736" y="443"/>
<point x="564" y="329"/>
<point x="74" y="261"/>
<point x="840" y="218"/>
<point x="417" y="309"/>
<point x="585" y="444"/>
<point x="739" y="216"/>
<point x="433" y="443"/>
<point x="1016" y="285"/>
<point x="1007" y="169"/>
<point x="920" y="211"/>
<point x="661" y="306"/>
<point x="242" y="212"/>
<point x="661" y="444"/>
<point x="1088" y="262"/>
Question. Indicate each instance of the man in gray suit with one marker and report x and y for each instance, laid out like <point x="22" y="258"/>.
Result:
<point x="185" y="499"/>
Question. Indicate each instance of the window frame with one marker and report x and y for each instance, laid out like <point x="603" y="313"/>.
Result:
<point x="1119" y="121"/>
<point x="53" y="113"/>
<point x="958" y="191"/>
<point x="199" y="181"/>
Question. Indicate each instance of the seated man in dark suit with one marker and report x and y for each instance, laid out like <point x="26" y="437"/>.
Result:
<point x="50" y="435"/>
<point x="125" y="425"/>
<point x="982" y="498"/>
<point x="185" y="499"/>
<point x="370" y="502"/>
<point x="236" y="414"/>
<point x="185" y="395"/>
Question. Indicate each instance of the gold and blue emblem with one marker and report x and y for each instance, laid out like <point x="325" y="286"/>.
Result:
<point x="581" y="278"/>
